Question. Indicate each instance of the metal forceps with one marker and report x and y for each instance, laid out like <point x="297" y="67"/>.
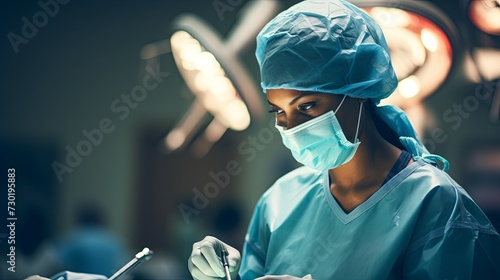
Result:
<point x="145" y="254"/>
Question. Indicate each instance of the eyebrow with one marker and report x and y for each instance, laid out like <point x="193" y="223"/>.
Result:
<point x="301" y="94"/>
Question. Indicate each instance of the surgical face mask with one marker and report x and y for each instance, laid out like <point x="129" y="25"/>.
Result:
<point x="320" y="143"/>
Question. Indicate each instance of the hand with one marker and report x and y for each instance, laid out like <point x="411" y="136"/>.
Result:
<point x="284" y="277"/>
<point x="205" y="261"/>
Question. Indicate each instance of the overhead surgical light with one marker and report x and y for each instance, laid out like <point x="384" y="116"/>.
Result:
<point x="421" y="40"/>
<point x="206" y="78"/>
<point x="484" y="48"/>
<point x="214" y="73"/>
<point x="486" y="15"/>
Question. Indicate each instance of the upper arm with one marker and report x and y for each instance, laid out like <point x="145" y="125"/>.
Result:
<point x="455" y="253"/>
<point x="452" y="239"/>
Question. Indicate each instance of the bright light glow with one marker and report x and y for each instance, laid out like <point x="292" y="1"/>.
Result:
<point x="409" y="87"/>
<point x="189" y="52"/>
<point x="205" y="61"/>
<point x="179" y="39"/>
<point x="420" y="50"/>
<point x="221" y="87"/>
<point x="488" y="63"/>
<point x="212" y="105"/>
<point x="175" y="139"/>
<point x="486" y="15"/>
<point x="220" y="91"/>
<point x="235" y="115"/>
<point x="390" y="17"/>
<point x="203" y="57"/>
<point x="429" y="39"/>
<point x="188" y="48"/>
<point x="207" y="79"/>
<point x="201" y="81"/>
<point x="407" y="51"/>
<point x="188" y="64"/>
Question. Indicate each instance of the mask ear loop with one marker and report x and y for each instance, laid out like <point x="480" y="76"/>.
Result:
<point x="359" y="120"/>
<point x="335" y="112"/>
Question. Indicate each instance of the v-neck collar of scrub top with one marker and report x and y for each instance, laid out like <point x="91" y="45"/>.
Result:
<point x="346" y="218"/>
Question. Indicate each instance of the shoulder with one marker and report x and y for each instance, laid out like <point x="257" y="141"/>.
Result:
<point x="443" y="203"/>
<point x="448" y="225"/>
<point x="432" y="183"/>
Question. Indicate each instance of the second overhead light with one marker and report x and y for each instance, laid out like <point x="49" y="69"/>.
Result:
<point x="421" y="40"/>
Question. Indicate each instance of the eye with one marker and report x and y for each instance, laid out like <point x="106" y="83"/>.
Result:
<point x="276" y="111"/>
<point x="306" y="106"/>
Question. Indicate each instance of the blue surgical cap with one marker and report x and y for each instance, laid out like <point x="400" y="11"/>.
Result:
<point x="326" y="46"/>
<point x="334" y="47"/>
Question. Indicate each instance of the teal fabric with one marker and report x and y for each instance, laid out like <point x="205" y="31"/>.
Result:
<point x="326" y="46"/>
<point x="334" y="47"/>
<point x="419" y="225"/>
<point x="319" y="143"/>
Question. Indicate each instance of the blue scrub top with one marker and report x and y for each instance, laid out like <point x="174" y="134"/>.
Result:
<point x="419" y="225"/>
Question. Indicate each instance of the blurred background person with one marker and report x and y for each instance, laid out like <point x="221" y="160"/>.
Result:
<point x="91" y="247"/>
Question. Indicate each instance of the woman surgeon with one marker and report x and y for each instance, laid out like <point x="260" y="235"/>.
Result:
<point x="370" y="201"/>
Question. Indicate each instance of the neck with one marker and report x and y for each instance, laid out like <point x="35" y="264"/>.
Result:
<point x="366" y="171"/>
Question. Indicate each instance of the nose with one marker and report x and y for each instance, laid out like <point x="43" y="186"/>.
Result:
<point x="291" y="124"/>
<point x="293" y="121"/>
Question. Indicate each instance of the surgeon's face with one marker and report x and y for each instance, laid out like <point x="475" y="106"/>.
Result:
<point x="293" y="107"/>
